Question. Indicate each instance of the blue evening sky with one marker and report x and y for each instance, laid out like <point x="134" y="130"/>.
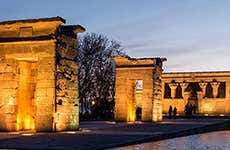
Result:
<point x="194" y="35"/>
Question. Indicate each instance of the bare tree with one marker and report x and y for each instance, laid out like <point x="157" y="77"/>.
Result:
<point x="96" y="74"/>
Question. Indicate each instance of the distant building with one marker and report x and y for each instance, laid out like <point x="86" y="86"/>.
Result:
<point x="38" y="75"/>
<point x="209" y="92"/>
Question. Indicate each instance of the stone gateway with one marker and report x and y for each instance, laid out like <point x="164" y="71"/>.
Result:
<point x="138" y="89"/>
<point x="38" y="75"/>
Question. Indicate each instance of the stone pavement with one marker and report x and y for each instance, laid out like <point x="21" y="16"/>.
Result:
<point x="105" y="134"/>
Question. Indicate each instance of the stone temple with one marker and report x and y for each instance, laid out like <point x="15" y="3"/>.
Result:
<point x="39" y="81"/>
<point x="208" y="91"/>
<point x="38" y="75"/>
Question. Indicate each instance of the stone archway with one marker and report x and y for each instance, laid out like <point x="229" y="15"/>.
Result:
<point x="128" y="72"/>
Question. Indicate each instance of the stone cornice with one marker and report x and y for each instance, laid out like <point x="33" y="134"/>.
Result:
<point x="34" y="20"/>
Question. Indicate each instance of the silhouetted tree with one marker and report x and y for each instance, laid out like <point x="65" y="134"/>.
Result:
<point x="96" y="74"/>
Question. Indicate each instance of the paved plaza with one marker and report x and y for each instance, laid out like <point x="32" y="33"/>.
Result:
<point x="108" y="134"/>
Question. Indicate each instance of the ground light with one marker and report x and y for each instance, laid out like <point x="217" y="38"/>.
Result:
<point x="27" y="134"/>
<point x="70" y="132"/>
<point x="111" y="122"/>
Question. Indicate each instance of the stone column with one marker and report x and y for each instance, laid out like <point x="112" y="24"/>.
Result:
<point x="186" y="96"/>
<point x="215" y="86"/>
<point x="203" y="87"/>
<point x="157" y="95"/>
<point x="199" y="97"/>
<point x="183" y="87"/>
<point x="173" y="87"/>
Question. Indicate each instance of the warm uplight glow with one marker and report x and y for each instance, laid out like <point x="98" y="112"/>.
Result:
<point x="93" y="102"/>
<point x="25" y="115"/>
<point x="132" y="117"/>
<point x="18" y="123"/>
<point x="155" y="117"/>
<point x="28" y="123"/>
<point x="131" y="112"/>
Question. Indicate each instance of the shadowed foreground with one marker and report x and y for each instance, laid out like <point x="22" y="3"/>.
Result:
<point x="102" y="134"/>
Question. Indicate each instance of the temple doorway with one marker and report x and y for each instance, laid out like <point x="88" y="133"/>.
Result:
<point x="138" y="99"/>
<point x="25" y="95"/>
<point x="134" y="93"/>
<point x="193" y="88"/>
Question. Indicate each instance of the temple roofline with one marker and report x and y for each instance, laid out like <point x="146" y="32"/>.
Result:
<point x="211" y="74"/>
<point x="143" y="58"/>
<point x="196" y="72"/>
<point x="34" y="20"/>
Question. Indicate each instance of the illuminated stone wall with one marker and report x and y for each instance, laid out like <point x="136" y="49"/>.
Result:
<point x="29" y="65"/>
<point x="128" y="72"/>
<point x="67" y="117"/>
<point x="215" y="101"/>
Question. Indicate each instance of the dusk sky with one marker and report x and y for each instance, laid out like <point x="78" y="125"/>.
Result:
<point x="194" y="35"/>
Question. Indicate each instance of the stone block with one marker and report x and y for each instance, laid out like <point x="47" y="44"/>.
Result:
<point x="45" y="83"/>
